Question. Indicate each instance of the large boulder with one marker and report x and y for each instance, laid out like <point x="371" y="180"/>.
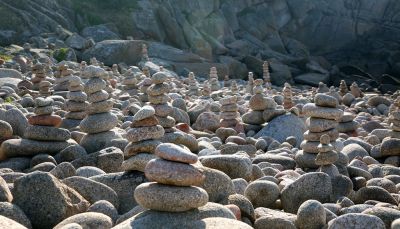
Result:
<point x="10" y="73"/>
<point x="45" y="200"/>
<point x="284" y="126"/>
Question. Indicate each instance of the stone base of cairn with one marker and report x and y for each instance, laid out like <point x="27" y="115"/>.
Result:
<point x="257" y="104"/>
<point x="193" y="89"/>
<point x="144" y="84"/>
<point x="99" y="122"/>
<point x="143" y="136"/>
<point x="326" y="157"/>
<point x="214" y="84"/>
<point x="45" y="88"/>
<point x="41" y="136"/>
<point x="347" y="123"/>
<point x="130" y="83"/>
<point x="174" y="181"/>
<point x="38" y="75"/>
<point x="395" y="124"/>
<point x="76" y="104"/>
<point x="62" y="76"/>
<point x="323" y="120"/>
<point x="229" y="112"/>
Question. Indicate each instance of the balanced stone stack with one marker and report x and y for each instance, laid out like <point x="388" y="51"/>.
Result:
<point x="158" y="98"/>
<point x="394" y="119"/>
<point x="144" y="85"/>
<point x="234" y="88"/>
<point x="229" y="111"/>
<point x="143" y="137"/>
<point x="227" y="81"/>
<point x="347" y="123"/>
<point x="130" y="83"/>
<point x="193" y="85"/>
<point x="41" y="136"/>
<point x="258" y="103"/>
<point x="322" y="88"/>
<point x="76" y="104"/>
<point x="214" y="79"/>
<point x="38" y="75"/>
<point x="250" y="84"/>
<point x="356" y="91"/>
<point x="206" y="91"/>
<point x="343" y="88"/>
<point x="62" y="78"/>
<point x="267" y="76"/>
<point x="45" y="88"/>
<point x="175" y="181"/>
<point x="287" y="96"/>
<point x="323" y="120"/>
<point x="146" y="71"/>
<point x="99" y="120"/>
<point x="327" y="157"/>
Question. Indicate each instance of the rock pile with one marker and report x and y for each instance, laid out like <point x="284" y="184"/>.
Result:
<point x="356" y="91"/>
<point x="347" y="123"/>
<point x="130" y="83"/>
<point x="323" y="119"/>
<point x="45" y="88"/>
<point x="266" y="76"/>
<point x="193" y="89"/>
<point x="250" y="83"/>
<point x="158" y="98"/>
<point x="214" y="79"/>
<point x="143" y="136"/>
<point x="287" y="96"/>
<point x="38" y="75"/>
<point x="343" y="88"/>
<point x="76" y="104"/>
<point x="175" y="180"/>
<point x="257" y="104"/>
<point x="229" y="111"/>
<point x="326" y="157"/>
<point x="62" y="75"/>
<point x="227" y="81"/>
<point x="99" y="122"/>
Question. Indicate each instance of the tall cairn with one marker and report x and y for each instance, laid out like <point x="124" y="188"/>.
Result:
<point x="266" y="76"/>
<point x="174" y="181"/>
<point x="394" y="119"/>
<point x="143" y="136"/>
<point x="326" y="157"/>
<point x="257" y="104"/>
<point x="76" y="104"/>
<point x="99" y="120"/>
<point x="250" y="83"/>
<point x="227" y="81"/>
<point x="229" y="111"/>
<point x="45" y="88"/>
<point x="158" y="98"/>
<point x="324" y="116"/>
<point x="193" y="85"/>
<point x="287" y="96"/>
<point x="38" y="75"/>
<point x="343" y="88"/>
<point x="214" y="79"/>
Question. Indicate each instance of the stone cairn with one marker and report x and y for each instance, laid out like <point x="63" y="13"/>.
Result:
<point x="175" y="181"/>
<point x="99" y="120"/>
<point x="343" y="88"/>
<point x="322" y="88"/>
<point x="206" y="91"/>
<point x="356" y="91"/>
<point x="227" y="81"/>
<point x="143" y="85"/>
<point x="229" y="111"/>
<point x="76" y="105"/>
<point x="214" y="79"/>
<point x="193" y="85"/>
<point x="256" y="104"/>
<point x="45" y="88"/>
<point x="146" y="71"/>
<point x="145" y="53"/>
<point x="394" y="119"/>
<point x="234" y="88"/>
<point x="38" y="75"/>
<point x="266" y="76"/>
<point x="250" y="83"/>
<point x="143" y="136"/>
<point x="323" y="119"/>
<point x="287" y="96"/>
<point x="62" y="75"/>
<point x="326" y="157"/>
<point x="158" y="98"/>
<point x="130" y="83"/>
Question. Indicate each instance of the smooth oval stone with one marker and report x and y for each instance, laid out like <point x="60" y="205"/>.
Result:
<point x="145" y="133"/>
<point x="6" y="130"/>
<point x="168" y="198"/>
<point x="325" y="100"/>
<point x="166" y="122"/>
<point x="159" y="99"/>
<point x="76" y="106"/>
<point x="137" y="162"/>
<point x="143" y="113"/>
<point x="356" y="220"/>
<point x="229" y="108"/>
<point x="78" y="115"/>
<point x="320" y="124"/>
<point x="43" y="110"/>
<point x="98" y="96"/>
<point x="228" y="100"/>
<point x="151" y="121"/>
<point x="173" y="173"/>
<point x="100" y="107"/>
<point x="162" y="110"/>
<point x="158" y="78"/>
<point x="77" y="96"/>
<point x="315" y="136"/>
<point x="98" y="123"/>
<point x="172" y="152"/>
<point x="312" y="110"/>
<point x="326" y="158"/>
<point x="133" y="148"/>
<point x="46" y="133"/>
<point x="43" y="102"/>
<point x="45" y="120"/>
<point x="158" y="89"/>
<point x="94" y="85"/>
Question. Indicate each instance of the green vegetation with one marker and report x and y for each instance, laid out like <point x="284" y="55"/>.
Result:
<point x="5" y="57"/>
<point x="60" y="54"/>
<point x="8" y="100"/>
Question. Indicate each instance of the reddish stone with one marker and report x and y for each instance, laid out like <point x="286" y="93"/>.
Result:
<point x="352" y="133"/>
<point x="45" y="120"/>
<point x="235" y="210"/>
<point x="228" y="123"/>
<point x="113" y="82"/>
<point x="150" y="121"/>
<point x="183" y="127"/>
